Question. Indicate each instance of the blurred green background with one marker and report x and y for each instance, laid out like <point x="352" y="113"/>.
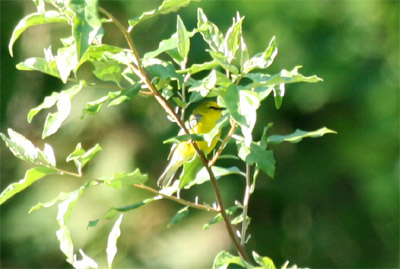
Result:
<point x="334" y="201"/>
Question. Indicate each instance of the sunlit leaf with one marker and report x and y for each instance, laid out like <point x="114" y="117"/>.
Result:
<point x="196" y="68"/>
<point x="120" y="179"/>
<point x="86" y="23"/>
<point x="232" y="102"/>
<point x="66" y="61"/>
<point x="224" y="259"/>
<point x="203" y="176"/>
<point x="223" y="61"/>
<point x="40" y="64"/>
<point x="166" y="7"/>
<point x="183" y="41"/>
<point x="51" y="16"/>
<point x="81" y="157"/>
<point x="218" y="218"/>
<point x="54" y="120"/>
<point x="190" y="169"/>
<point x="112" y="241"/>
<point x="85" y="262"/>
<point x="64" y="211"/>
<point x="210" y="32"/>
<point x="232" y="38"/>
<point x="107" y="70"/>
<point x="31" y="176"/>
<point x="262" y="60"/>
<point x="179" y="216"/>
<point x="298" y="135"/>
<point x="264" y="262"/>
<point x="185" y="137"/>
<point x="24" y="149"/>
<point x="255" y="154"/>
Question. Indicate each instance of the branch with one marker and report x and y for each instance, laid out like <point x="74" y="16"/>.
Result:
<point x="140" y="72"/>
<point x="246" y="199"/>
<point x="175" y="199"/>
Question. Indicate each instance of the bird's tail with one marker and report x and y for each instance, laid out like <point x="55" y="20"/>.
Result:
<point x="167" y="176"/>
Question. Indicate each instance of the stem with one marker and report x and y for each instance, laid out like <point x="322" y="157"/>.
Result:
<point x="246" y="199"/>
<point x="140" y="72"/>
<point x="223" y="144"/>
<point x="175" y="199"/>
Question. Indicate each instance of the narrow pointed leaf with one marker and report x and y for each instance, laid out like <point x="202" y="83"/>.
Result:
<point x="298" y="135"/>
<point x="81" y="157"/>
<point x="179" y="216"/>
<point x="40" y="64"/>
<point x="264" y="262"/>
<point x="112" y="241"/>
<point x="118" y="180"/>
<point x="31" y="176"/>
<point x="33" y="19"/>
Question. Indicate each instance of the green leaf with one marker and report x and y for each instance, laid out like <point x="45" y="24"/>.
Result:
<point x="257" y="155"/>
<point x="185" y="137"/>
<point x="120" y="179"/>
<point x="248" y="105"/>
<point x="224" y="259"/>
<point x="203" y="176"/>
<point x="190" y="169"/>
<point x="34" y="19"/>
<point x="179" y="216"/>
<point x="216" y="219"/>
<point x="24" y="149"/>
<point x="64" y="211"/>
<point x="61" y="197"/>
<point x="112" y="241"/>
<point x="223" y="61"/>
<point x="107" y="70"/>
<point x="86" y="23"/>
<point x="183" y="41"/>
<point x="233" y="37"/>
<point x="278" y="95"/>
<point x="262" y="60"/>
<point x="112" y="212"/>
<point x="285" y="76"/>
<point x="81" y="157"/>
<point x="40" y="64"/>
<point x="66" y="61"/>
<point x="264" y="262"/>
<point x="98" y="53"/>
<point x="166" y="7"/>
<point x="31" y="176"/>
<point x="54" y="120"/>
<point x="196" y="68"/>
<point x="210" y="32"/>
<point x="232" y="101"/>
<point x="298" y="135"/>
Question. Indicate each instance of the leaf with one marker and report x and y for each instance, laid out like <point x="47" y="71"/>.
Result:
<point x="262" y="60"/>
<point x="190" y="169"/>
<point x="64" y="210"/>
<point x="112" y="241"/>
<point x="81" y="157"/>
<point x="196" y="68"/>
<point x="298" y="135"/>
<point x="179" y="216"/>
<point x="40" y="64"/>
<point x="54" y="120"/>
<point x="98" y="53"/>
<point x="118" y="180"/>
<point x="278" y="95"/>
<point x="183" y="41"/>
<point x="112" y="212"/>
<point x="31" y="176"/>
<point x="285" y="76"/>
<point x="185" y="137"/>
<point x="66" y="61"/>
<point x="257" y="155"/>
<point x="34" y="19"/>
<point x="218" y="218"/>
<point x="248" y="105"/>
<point x="107" y="70"/>
<point x="85" y="262"/>
<point x="61" y="197"/>
<point x="166" y="7"/>
<point x="24" y="149"/>
<point x="233" y="37"/>
<point x="223" y="61"/>
<point x="203" y="176"/>
<point x="224" y="259"/>
<point x="210" y="32"/>
<point x="264" y="262"/>
<point x="86" y="23"/>
<point x="232" y="101"/>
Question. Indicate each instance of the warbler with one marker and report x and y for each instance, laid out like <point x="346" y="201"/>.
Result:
<point x="202" y="121"/>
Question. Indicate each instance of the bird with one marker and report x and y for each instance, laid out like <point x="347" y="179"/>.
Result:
<point x="202" y="121"/>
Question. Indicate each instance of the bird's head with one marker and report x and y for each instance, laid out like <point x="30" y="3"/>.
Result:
<point x="209" y="108"/>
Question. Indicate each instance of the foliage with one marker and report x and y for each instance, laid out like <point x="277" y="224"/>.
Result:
<point x="238" y="81"/>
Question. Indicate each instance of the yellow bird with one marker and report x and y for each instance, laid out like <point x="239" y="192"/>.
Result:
<point x="202" y="121"/>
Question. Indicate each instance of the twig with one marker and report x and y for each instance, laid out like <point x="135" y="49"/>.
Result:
<point x="175" y="199"/>
<point x="138" y="70"/>
<point x="246" y="199"/>
<point x="223" y="144"/>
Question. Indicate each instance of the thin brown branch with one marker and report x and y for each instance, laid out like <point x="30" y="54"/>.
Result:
<point x="175" y="199"/>
<point x="223" y="144"/>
